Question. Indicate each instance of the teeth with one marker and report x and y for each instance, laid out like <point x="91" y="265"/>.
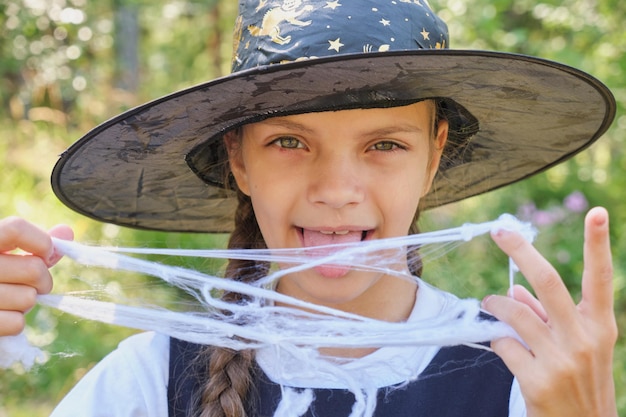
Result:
<point x="339" y="232"/>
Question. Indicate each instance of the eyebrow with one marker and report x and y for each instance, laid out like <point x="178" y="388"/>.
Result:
<point x="383" y="131"/>
<point x="288" y="124"/>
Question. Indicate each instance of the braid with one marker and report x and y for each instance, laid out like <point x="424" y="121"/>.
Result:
<point x="230" y="371"/>
<point x="414" y="258"/>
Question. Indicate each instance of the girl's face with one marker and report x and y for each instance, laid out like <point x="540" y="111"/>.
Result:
<point x="336" y="177"/>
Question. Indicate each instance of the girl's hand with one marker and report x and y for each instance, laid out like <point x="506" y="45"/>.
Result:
<point x="24" y="275"/>
<point x="567" y="368"/>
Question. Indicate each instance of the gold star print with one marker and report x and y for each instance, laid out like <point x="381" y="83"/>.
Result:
<point x="332" y="4"/>
<point x="336" y="44"/>
<point x="425" y="34"/>
<point x="385" y="22"/>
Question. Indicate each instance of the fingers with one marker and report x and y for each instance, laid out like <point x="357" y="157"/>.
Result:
<point x="61" y="232"/>
<point x="553" y="299"/>
<point x="522" y="308"/>
<point x="31" y="267"/>
<point x="597" y="284"/>
<point x="568" y="348"/>
<point x="12" y="323"/>
<point x="15" y="301"/>
<point x="522" y="295"/>
<point x="24" y="274"/>
<point x="545" y="280"/>
<point x="19" y="298"/>
<point x="516" y="356"/>
<point x="564" y="366"/>
<point x="16" y="233"/>
<point x="25" y="270"/>
<point x="531" y="327"/>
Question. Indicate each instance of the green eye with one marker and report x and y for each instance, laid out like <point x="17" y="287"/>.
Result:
<point x="288" y="142"/>
<point x="384" y="146"/>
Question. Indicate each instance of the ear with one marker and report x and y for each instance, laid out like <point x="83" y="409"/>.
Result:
<point x="232" y="142"/>
<point x="441" y="137"/>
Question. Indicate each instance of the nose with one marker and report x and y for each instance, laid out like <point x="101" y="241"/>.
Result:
<point x="336" y="181"/>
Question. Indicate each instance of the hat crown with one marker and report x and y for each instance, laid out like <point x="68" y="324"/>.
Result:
<point x="280" y="31"/>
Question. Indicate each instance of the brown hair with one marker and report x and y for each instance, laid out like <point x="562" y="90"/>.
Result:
<point x="229" y="372"/>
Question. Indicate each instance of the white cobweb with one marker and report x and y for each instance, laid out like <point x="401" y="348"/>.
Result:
<point x="269" y="319"/>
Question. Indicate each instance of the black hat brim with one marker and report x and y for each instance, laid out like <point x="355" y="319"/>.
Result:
<point x="533" y="114"/>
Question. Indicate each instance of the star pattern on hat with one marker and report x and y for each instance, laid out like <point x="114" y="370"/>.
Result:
<point x="276" y="29"/>
<point x="335" y="45"/>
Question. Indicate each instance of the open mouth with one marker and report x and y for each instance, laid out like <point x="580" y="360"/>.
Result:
<point x="315" y="238"/>
<point x="312" y="237"/>
<point x="342" y="233"/>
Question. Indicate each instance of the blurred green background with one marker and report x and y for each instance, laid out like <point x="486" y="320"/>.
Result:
<point x="67" y="65"/>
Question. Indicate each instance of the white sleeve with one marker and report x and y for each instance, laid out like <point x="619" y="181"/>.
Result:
<point x="517" y="406"/>
<point x="130" y="382"/>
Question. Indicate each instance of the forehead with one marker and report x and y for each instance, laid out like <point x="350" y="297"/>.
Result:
<point x="416" y="116"/>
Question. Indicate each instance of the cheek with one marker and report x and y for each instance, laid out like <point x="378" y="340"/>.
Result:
<point x="265" y="217"/>
<point x="409" y="208"/>
<point x="399" y="202"/>
<point x="272" y="202"/>
<point x="412" y="183"/>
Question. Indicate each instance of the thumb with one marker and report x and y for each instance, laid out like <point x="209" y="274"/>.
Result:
<point x="63" y="232"/>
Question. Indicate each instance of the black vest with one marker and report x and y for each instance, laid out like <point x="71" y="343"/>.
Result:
<point x="459" y="382"/>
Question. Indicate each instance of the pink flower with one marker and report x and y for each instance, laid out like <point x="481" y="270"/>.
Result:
<point x="576" y="202"/>
<point x="526" y="211"/>
<point x="543" y="218"/>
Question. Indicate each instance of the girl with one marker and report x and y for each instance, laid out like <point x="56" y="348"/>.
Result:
<point x="342" y="146"/>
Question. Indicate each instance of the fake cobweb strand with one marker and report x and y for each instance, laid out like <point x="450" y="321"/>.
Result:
<point x="202" y="284"/>
<point x="272" y="327"/>
<point x="298" y="333"/>
<point x="354" y="255"/>
<point x="337" y="328"/>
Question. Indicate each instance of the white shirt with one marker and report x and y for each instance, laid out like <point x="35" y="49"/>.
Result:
<point x="132" y="380"/>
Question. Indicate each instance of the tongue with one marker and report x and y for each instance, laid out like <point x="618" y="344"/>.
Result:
<point x="313" y="238"/>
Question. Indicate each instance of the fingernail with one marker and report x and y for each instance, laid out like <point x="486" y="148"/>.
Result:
<point x="485" y="300"/>
<point x="52" y="257"/>
<point x="500" y="232"/>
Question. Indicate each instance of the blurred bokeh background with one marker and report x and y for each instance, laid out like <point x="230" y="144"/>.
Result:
<point x="67" y="65"/>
